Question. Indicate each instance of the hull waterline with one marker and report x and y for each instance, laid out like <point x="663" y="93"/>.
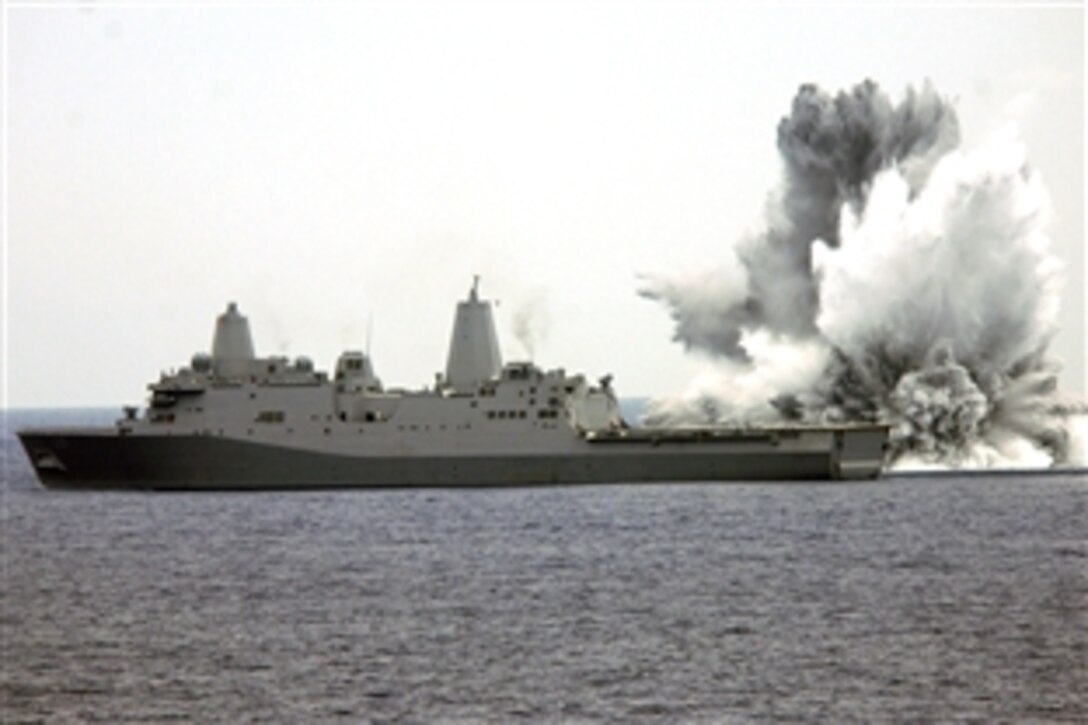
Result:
<point x="104" y="459"/>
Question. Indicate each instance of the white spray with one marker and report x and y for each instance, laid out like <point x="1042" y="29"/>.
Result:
<point x="900" y="278"/>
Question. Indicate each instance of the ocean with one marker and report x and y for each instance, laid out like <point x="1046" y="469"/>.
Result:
<point x="927" y="598"/>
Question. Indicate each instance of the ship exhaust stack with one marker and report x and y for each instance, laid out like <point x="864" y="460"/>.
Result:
<point x="474" y="348"/>
<point x="232" y="346"/>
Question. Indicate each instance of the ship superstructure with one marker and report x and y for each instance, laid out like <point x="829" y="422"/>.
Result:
<point x="231" y="419"/>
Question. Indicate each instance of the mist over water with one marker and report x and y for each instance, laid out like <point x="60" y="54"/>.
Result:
<point x="899" y="277"/>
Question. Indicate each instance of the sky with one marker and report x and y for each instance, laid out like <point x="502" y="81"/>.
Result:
<point x="343" y="171"/>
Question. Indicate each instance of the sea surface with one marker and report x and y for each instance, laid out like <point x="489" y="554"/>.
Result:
<point x="908" y="599"/>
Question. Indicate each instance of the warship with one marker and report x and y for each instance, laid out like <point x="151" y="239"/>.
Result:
<point x="233" y="420"/>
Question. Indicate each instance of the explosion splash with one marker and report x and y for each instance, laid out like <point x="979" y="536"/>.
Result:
<point x="899" y="278"/>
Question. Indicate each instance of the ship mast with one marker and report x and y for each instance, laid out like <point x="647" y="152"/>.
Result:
<point x="474" y="355"/>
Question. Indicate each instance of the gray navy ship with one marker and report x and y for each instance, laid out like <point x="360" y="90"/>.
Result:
<point x="232" y="420"/>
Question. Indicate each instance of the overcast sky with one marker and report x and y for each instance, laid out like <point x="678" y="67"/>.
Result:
<point x="332" y="168"/>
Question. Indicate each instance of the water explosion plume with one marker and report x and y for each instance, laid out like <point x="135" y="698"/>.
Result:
<point x="899" y="277"/>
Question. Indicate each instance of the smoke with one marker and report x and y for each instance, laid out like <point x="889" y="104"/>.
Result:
<point x="902" y="278"/>
<point x="531" y="322"/>
<point x="708" y="309"/>
<point x="777" y="371"/>
<point x="831" y="148"/>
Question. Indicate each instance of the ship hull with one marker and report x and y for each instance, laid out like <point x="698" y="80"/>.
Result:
<point x="105" y="459"/>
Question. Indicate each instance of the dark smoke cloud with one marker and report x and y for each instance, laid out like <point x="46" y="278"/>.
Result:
<point x="916" y="276"/>
<point x="831" y="147"/>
